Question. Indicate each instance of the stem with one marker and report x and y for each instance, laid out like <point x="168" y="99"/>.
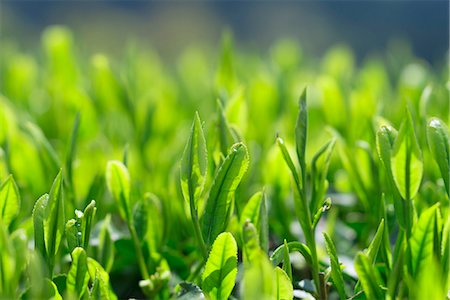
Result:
<point x="198" y="233"/>
<point x="140" y="255"/>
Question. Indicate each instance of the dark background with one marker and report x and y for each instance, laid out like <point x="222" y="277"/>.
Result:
<point x="171" y="26"/>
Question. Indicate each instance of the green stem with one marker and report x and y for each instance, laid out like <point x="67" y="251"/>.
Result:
<point x="140" y="255"/>
<point x="198" y="233"/>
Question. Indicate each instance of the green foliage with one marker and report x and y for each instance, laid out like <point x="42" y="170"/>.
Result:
<point x="219" y="204"/>
<point x="9" y="201"/>
<point x="221" y="268"/>
<point x="161" y="223"/>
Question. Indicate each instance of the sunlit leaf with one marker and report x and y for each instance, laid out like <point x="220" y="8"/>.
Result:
<point x="221" y="268"/>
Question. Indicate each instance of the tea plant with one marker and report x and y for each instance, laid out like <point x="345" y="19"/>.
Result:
<point x="346" y="199"/>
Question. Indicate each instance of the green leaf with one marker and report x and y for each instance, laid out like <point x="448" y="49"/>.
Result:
<point x="301" y="130"/>
<point x="118" y="181"/>
<point x="369" y="277"/>
<point x="287" y="261"/>
<point x="385" y="140"/>
<point x="319" y="170"/>
<point x="406" y="160"/>
<point x="421" y="242"/>
<point x="38" y="224"/>
<point x="147" y="220"/>
<point x="9" y="201"/>
<point x="278" y="254"/>
<point x="288" y="160"/>
<point x="227" y="137"/>
<point x="336" y="273"/>
<point x="86" y="223"/>
<point x="251" y="246"/>
<point x="194" y="164"/>
<point x="54" y="223"/>
<point x="97" y="271"/>
<point x="72" y="235"/>
<point x="219" y="204"/>
<point x="78" y="276"/>
<point x="219" y="276"/>
<point x="283" y="285"/>
<point x="99" y="289"/>
<point x="255" y="211"/>
<point x="259" y="278"/>
<point x="439" y="142"/>
<point x="374" y="246"/>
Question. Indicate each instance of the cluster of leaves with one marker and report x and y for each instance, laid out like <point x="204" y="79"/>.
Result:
<point x="355" y="210"/>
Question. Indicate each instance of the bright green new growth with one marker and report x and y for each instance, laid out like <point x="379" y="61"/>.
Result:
<point x="9" y="201"/>
<point x="194" y="163"/>
<point x="53" y="220"/>
<point x="219" y="204"/>
<point x="78" y="276"/>
<point x="406" y="160"/>
<point x="439" y="143"/>
<point x="336" y="273"/>
<point x="118" y="181"/>
<point x="221" y="268"/>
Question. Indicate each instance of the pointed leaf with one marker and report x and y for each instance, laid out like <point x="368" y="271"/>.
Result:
<point x="38" y="224"/>
<point x="374" y="246"/>
<point x="78" y="276"/>
<point x="255" y="212"/>
<point x="9" y="201"/>
<point x="219" y="276"/>
<point x="369" y="277"/>
<point x="219" y="203"/>
<point x="194" y="163"/>
<point x="283" y="285"/>
<point x="421" y="241"/>
<point x="118" y="181"/>
<point x="301" y="130"/>
<point x="439" y="142"/>
<point x="336" y="273"/>
<point x="86" y="223"/>
<point x="54" y="222"/>
<point x="287" y="261"/>
<point x="406" y="160"/>
<point x="73" y="236"/>
<point x="251" y="247"/>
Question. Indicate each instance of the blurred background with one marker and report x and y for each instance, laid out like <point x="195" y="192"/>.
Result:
<point x="171" y="26"/>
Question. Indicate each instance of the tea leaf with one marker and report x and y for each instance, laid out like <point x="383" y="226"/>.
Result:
<point x="439" y="142"/>
<point x="219" y="204"/>
<point x="406" y="160"/>
<point x="221" y="268"/>
<point x="255" y="212"/>
<point x="86" y="223"/>
<point x="251" y="247"/>
<point x="336" y="273"/>
<point x="301" y="130"/>
<point x="421" y="241"/>
<point x="369" y="277"/>
<point x="194" y="163"/>
<point x="78" y="276"/>
<point x="9" y="201"/>
<point x="283" y="285"/>
<point x="54" y="223"/>
<point x="118" y="181"/>
<point x="287" y="261"/>
<point x="38" y="224"/>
